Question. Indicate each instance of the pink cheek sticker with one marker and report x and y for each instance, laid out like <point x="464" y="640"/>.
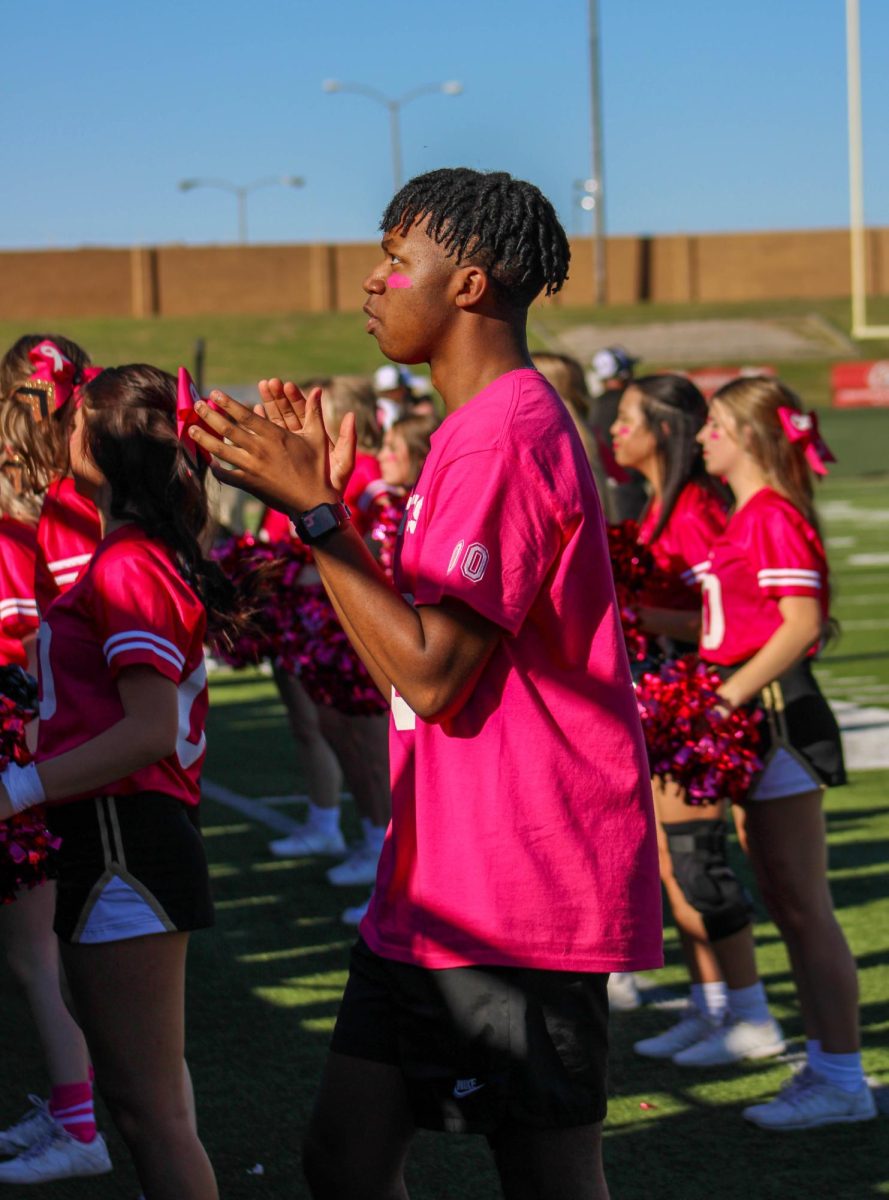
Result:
<point x="399" y="281"/>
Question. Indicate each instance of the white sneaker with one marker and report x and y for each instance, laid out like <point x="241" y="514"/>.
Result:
<point x="34" y="1125"/>
<point x="57" y="1155"/>
<point x="692" y="1028"/>
<point x="358" y="869"/>
<point x="813" y="1102"/>
<point x="354" y="916"/>
<point x="305" y="841"/>
<point x="623" y="994"/>
<point x="732" y="1042"/>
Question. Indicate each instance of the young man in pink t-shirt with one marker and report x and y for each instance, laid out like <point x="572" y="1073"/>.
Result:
<point x="521" y="865"/>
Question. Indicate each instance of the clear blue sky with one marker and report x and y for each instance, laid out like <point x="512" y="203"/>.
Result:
<point x="718" y="115"/>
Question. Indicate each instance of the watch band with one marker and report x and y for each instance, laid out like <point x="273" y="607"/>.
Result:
<point x="316" y="523"/>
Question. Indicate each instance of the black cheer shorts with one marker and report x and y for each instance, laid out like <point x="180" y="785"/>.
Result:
<point x="797" y="730"/>
<point x="481" y="1047"/>
<point x="129" y="866"/>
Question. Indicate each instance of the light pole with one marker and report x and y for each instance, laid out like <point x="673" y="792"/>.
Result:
<point x="596" y="190"/>
<point x="394" y="105"/>
<point x="242" y="191"/>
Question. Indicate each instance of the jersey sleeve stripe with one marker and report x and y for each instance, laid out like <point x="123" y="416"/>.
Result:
<point x="145" y="637"/>
<point x="62" y="564"/>
<point x="768" y="572"/>
<point x="791" y="581"/>
<point x="18" y="605"/>
<point x="125" y="647"/>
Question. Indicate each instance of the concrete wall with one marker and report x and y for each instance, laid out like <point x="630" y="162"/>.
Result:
<point x="199" y="280"/>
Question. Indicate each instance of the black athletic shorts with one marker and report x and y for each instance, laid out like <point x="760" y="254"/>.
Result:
<point x="481" y="1047"/>
<point x="129" y="866"/>
<point x="798" y="722"/>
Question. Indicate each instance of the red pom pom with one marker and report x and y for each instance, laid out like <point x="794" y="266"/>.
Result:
<point x="692" y="738"/>
<point x="26" y="845"/>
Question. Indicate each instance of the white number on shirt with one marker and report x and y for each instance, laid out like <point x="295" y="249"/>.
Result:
<point x="188" y="691"/>
<point x="47" y="685"/>
<point x="713" y="615"/>
<point x="403" y="715"/>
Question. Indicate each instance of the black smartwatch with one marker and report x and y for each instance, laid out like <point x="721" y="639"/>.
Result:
<point x="316" y="523"/>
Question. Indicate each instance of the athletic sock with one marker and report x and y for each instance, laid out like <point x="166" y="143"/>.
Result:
<point x="844" y="1071"/>
<point x="813" y="1049"/>
<point x="71" y="1104"/>
<point x="374" y="836"/>
<point x="749" y="1003"/>
<point x="325" y="820"/>
<point x="710" y="999"/>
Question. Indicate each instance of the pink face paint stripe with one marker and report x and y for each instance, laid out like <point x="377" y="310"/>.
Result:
<point x="399" y="281"/>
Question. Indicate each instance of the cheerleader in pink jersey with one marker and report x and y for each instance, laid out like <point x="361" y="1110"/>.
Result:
<point x="56" y="1138"/>
<point x="45" y="372"/>
<point x="655" y="431"/>
<point x="766" y="597"/>
<point x="121" y="743"/>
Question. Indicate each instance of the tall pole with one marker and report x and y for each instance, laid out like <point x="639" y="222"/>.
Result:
<point x="395" y="127"/>
<point x="597" y="175"/>
<point x="242" y="215"/>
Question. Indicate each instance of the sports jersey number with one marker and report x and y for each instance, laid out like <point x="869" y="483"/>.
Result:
<point x="713" y="615"/>
<point x="189" y="690"/>
<point x="47" y="685"/>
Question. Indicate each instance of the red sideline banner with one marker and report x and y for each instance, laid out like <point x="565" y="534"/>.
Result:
<point x="710" y="379"/>
<point x="860" y="384"/>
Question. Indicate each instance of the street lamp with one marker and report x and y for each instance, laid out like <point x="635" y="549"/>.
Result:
<point x="586" y="192"/>
<point x="242" y="191"/>
<point x="394" y="105"/>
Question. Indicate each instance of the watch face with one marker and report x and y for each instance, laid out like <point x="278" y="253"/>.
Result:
<point x="319" y="521"/>
<point x="324" y="519"/>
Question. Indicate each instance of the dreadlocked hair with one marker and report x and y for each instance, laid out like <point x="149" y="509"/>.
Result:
<point x="43" y="445"/>
<point x="130" y="434"/>
<point x="674" y="411"/>
<point x="502" y="224"/>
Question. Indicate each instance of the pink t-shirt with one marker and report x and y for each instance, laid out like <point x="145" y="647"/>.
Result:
<point x="522" y="827"/>
<point x="683" y="546"/>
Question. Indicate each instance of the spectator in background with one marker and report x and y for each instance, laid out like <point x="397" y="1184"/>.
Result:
<point x="330" y="744"/>
<point x="612" y="373"/>
<point x="566" y="376"/>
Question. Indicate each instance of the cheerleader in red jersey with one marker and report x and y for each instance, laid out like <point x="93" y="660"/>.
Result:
<point x="44" y="372"/>
<point x="654" y="433"/>
<point x="56" y="1138"/>
<point x="121" y="743"/>
<point x="337" y="718"/>
<point x="766" y="595"/>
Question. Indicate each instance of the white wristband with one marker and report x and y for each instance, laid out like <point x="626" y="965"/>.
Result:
<point x="23" y="786"/>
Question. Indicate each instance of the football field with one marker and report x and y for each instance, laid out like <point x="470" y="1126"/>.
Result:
<point x="265" y="982"/>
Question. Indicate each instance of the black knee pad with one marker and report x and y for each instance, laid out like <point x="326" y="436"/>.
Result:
<point x="700" y="864"/>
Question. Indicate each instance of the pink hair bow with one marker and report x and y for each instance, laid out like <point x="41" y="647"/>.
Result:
<point x="53" y="375"/>
<point x="87" y="375"/>
<point x="186" y="398"/>
<point x="803" y="428"/>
